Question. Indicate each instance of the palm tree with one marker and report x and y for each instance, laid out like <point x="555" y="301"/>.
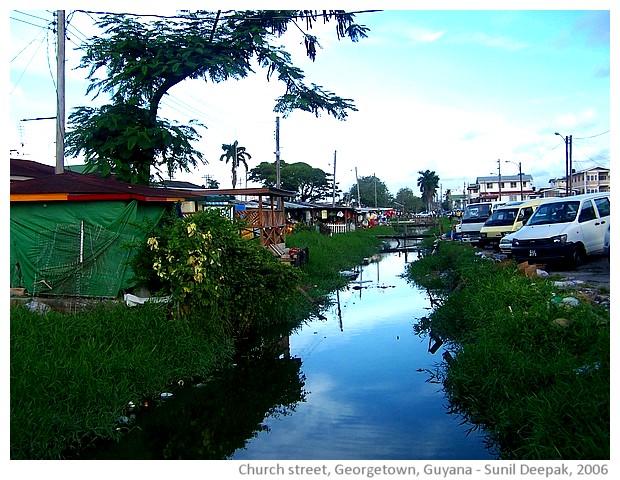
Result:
<point x="428" y="182"/>
<point x="233" y="152"/>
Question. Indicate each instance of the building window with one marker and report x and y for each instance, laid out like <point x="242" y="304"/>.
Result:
<point x="489" y="186"/>
<point x="513" y="184"/>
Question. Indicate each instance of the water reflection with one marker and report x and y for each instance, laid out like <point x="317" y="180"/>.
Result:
<point x="370" y="392"/>
<point x="365" y="390"/>
<point x="212" y="420"/>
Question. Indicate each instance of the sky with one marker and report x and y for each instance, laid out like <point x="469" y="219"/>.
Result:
<point x="464" y="93"/>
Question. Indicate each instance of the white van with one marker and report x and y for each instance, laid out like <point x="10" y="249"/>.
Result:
<point x="564" y="229"/>
<point x="506" y="219"/>
<point x="474" y="216"/>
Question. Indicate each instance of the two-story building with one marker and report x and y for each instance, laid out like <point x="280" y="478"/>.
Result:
<point x="590" y="180"/>
<point x="504" y="188"/>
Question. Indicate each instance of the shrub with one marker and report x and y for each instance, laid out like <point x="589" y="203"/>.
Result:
<point x="217" y="280"/>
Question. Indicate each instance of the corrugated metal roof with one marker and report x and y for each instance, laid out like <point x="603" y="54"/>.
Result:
<point x="75" y="186"/>
<point x="29" y="169"/>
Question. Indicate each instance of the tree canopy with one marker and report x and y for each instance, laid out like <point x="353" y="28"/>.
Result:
<point x="407" y="201"/>
<point x="373" y="192"/>
<point x="311" y="184"/>
<point x="143" y="60"/>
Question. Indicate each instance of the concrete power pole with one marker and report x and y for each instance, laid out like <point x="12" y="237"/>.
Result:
<point x="570" y="169"/>
<point x="60" y="94"/>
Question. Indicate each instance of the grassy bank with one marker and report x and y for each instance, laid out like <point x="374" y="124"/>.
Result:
<point x="331" y="255"/>
<point x="529" y="369"/>
<point x="72" y="376"/>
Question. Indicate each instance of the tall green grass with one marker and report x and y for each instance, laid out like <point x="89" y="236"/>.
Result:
<point x="72" y="376"/>
<point x="540" y="385"/>
<point x="331" y="255"/>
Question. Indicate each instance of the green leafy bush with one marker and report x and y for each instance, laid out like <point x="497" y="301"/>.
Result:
<point x="217" y="280"/>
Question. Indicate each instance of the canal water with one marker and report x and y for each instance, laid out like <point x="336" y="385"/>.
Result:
<point x="371" y="391"/>
<point x="356" y="383"/>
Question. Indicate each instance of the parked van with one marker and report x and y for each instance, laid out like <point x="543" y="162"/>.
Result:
<point x="564" y="229"/>
<point x="506" y="219"/>
<point x="474" y="216"/>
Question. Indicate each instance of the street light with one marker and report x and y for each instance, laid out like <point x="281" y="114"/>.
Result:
<point x="568" y="141"/>
<point x="499" y="182"/>
<point x="520" y="176"/>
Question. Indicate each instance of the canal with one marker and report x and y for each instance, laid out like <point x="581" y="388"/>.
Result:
<point x="371" y="389"/>
<point x="356" y="383"/>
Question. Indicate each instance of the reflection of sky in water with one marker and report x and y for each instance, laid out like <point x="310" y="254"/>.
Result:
<point x="366" y="398"/>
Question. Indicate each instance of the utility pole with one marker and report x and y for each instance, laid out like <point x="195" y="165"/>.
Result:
<point x="60" y="94"/>
<point x="359" y="200"/>
<point x="499" y="183"/>
<point x="570" y="168"/>
<point x="278" y="152"/>
<point x="375" y="179"/>
<point x="334" y="183"/>
<point x="521" y="181"/>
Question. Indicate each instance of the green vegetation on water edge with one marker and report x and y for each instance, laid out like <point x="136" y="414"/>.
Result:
<point x="530" y="370"/>
<point x="73" y="375"/>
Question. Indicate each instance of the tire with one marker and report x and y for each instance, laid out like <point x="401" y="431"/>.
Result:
<point x="577" y="257"/>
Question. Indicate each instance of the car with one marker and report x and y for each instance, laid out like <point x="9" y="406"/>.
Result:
<point x="607" y="241"/>
<point x="505" y="244"/>
<point x="564" y="230"/>
<point x="506" y="219"/>
<point x="474" y="216"/>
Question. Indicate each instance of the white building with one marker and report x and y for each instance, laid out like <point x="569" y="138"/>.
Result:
<point x="504" y="188"/>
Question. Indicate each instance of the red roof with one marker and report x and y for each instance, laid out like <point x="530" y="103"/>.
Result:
<point x="76" y="186"/>
<point x="29" y="169"/>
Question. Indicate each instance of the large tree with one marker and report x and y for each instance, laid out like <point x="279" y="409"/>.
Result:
<point x="373" y="192"/>
<point x="428" y="181"/>
<point x="143" y="60"/>
<point x="236" y="155"/>
<point x="310" y="183"/>
<point x="407" y="201"/>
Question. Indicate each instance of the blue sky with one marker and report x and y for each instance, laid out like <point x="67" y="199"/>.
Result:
<point x="452" y="91"/>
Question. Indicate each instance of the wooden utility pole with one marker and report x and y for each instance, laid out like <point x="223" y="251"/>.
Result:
<point x="359" y="200"/>
<point x="277" y="152"/>
<point x="334" y="184"/>
<point x="60" y="94"/>
<point x="499" y="180"/>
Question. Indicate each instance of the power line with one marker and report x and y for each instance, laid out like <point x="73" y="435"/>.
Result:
<point x="28" y="23"/>
<point x="30" y="15"/>
<point x="592" y="136"/>
<point x="28" y="65"/>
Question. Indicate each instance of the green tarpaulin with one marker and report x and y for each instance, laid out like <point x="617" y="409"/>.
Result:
<point x="75" y="248"/>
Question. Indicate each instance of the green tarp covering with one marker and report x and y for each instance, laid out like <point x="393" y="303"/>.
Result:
<point x="75" y="248"/>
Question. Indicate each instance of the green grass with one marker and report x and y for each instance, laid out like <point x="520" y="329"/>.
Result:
<point x="542" y="389"/>
<point x="331" y="255"/>
<point x="72" y="376"/>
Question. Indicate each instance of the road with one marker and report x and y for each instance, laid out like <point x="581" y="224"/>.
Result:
<point x="595" y="272"/>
